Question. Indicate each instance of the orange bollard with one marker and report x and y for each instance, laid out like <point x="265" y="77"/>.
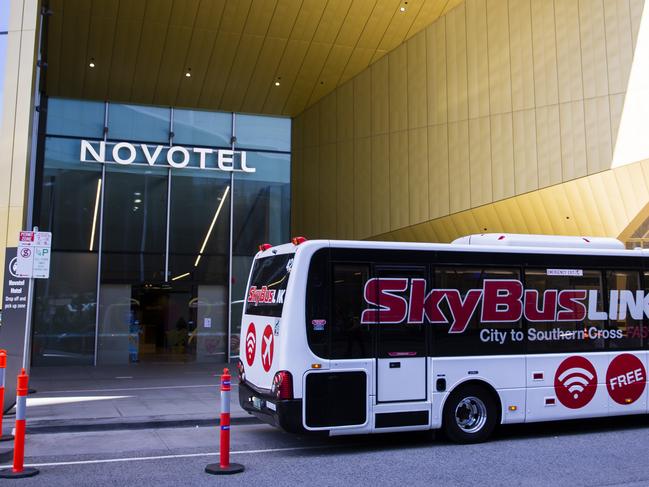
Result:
<point x="224" y="467"/>
<point x="3" y="370"/>
<point x="19" y="471"/>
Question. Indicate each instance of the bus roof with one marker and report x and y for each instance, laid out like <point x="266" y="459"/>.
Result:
<point x="516" y="243"/>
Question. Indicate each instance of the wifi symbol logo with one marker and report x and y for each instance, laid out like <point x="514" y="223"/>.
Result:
<point x="251" y="344"/>
<point x="575" y="382"/>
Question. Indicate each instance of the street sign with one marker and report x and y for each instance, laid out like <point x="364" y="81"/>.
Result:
<point x="34" y="251"/>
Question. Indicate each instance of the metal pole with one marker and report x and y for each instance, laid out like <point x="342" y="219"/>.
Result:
<point x="168" y="225"/>
<point x="167" y="236"/>
<point x="28" y="321"/>
<point x="232" y="142"/>
<point x="100" y="242"/>
<point x="28" y="325"/>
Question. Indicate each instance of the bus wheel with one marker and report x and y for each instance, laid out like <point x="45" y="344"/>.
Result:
<point x="470" y="414"/>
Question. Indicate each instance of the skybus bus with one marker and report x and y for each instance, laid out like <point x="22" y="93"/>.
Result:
<point x="347" y="337"/>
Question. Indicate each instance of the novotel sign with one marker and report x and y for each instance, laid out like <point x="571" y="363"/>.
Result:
<point x="176" y="156"/>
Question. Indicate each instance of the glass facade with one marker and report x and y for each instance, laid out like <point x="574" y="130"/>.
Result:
<point x="152" y="247"/>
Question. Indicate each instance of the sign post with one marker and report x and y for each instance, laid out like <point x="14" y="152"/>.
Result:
<point x="33" y="262"/>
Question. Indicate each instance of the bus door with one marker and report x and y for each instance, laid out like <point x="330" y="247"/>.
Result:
<point x="401" y="344"/>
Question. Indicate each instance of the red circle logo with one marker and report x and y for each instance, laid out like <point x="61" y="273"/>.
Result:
<point x="251" y="344"/>
<point x="575" y="382"/>
<point x="625" y="379"/>
<point x="267" y="346"/>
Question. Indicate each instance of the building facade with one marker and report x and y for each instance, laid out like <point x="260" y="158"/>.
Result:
<point x="423" y="120"/>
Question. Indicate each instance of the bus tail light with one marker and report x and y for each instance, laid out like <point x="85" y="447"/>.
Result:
<point x="283" y="385"/>
<point x="241" y="370"/>
<point x="265" y="246"/>
<point x="298" y="240"/>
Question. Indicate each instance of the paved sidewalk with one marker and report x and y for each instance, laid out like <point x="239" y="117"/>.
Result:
<point x="134" y="396"/>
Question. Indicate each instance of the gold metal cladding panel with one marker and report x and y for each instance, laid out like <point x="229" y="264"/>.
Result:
<point x="521" y="57"/>
<point x="363" y="104"/>
<point x="345" y="189"/>
<point x="436" y="72"/>
<point x="418" y="175"/>
<point x="569" y="69"/>
<point x="362" y="189"/>
<point x="526" y="174"/>
<point x="480" y="161"/>
<point x="544" y="53"/>
<point x="502" y="156"/>
<point x="380" y="188"/>
<point x="477" y="58"/>
<point x="500" y="86"/>
<point x="345" y="111"/>
<point x="416" y="79"/>
<point x="438" y="170"/>
<point x="327" y="189"/>
<point x="567" y="209"/>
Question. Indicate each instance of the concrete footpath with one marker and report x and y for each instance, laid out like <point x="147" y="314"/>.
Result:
<point x="137" y="396"/>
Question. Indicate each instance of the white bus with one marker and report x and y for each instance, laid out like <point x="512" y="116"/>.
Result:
<point x="347" y="337"/>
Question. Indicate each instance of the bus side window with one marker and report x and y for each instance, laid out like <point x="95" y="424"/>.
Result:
<point x="563" y="335"/>
<point x="632" y="329"/>
<point x="317" y="305"/>
<point x="477" y="338"/>
<point x="349" y="338"/>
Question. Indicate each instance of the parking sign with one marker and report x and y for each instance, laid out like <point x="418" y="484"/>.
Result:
<point x="33" y="257"/>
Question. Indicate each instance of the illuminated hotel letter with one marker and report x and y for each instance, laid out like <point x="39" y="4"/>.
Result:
<point x="244" y="167"/>
<point x="170" y="156"/>
<point x="123" y="145"/>
<point x="202" y="153"/>
<point x="225" y="160"/>
<point x="87" y="147"/>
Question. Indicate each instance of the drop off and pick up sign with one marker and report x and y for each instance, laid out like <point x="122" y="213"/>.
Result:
<point x="33" y="254"/>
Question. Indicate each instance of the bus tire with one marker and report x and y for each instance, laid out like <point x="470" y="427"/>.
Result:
<point x="470" y="414"/>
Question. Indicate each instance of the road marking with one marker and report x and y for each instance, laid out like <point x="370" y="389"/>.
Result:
<point x="167" y="457"/>
<point x="216" y="385"/>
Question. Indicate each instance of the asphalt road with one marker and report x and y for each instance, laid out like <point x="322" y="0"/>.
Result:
<point x="590" y="453"/>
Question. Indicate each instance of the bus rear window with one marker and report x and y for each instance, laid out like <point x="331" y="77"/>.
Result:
<point x="268" y="285"/>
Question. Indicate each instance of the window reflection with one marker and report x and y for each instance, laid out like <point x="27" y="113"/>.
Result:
<point x="138" y="122"/>
<point x="201" y="128"/>
<point x="263" y="132"/>
<point x="68" y="197"/>
<point x="75" y="118"/>
<point x="135" y="217"/>
<point x="64" y="311"/>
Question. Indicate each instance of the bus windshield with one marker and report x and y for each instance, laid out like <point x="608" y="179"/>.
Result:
<point x="268" y="285"/>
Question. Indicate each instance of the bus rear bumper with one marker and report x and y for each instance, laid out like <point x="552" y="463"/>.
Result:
<point x="286" y="414"/>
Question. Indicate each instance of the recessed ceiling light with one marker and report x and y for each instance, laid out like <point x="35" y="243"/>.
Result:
<point x="402" y="9"/>
<point x="137" y="201"/>
<point x="277" y="83"/>
<point x="188" y="74"/>
<point x="92" y="62"/>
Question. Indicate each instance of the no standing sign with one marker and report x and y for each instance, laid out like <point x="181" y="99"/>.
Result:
<point x="34" y="250"/>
